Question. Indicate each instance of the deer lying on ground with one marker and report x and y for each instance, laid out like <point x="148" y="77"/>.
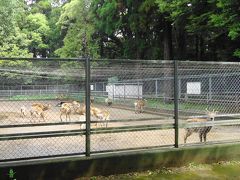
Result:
<point x="38" y="109"/>
<point x="139" y="104"/>
<point x="201" y="130"/>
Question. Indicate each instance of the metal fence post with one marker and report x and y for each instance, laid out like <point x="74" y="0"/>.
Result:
<point x="210" y="88"/>
<point x="87" y="100"/>
<point x="113" y="93"/>
<point x="156" y="88"/>
<point x="138" y="89"/>
<point x="124" y="91"/>
<point x="176" y="91"/>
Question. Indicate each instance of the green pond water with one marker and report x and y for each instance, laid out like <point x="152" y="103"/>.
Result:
<point x="217" y="171"/>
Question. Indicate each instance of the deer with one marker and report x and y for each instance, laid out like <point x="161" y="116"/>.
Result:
<point x="108" y="101"/>
<point x="92" y="99"/>
<point x="71" y="107"/>
<point x="80" y="110"/>
<point x="76" y="106"/>
<point x="66" y="108"/>
<point x="102" y="115"/>
<point x="23" y="110"/>
<point x="202" y="131"/>
<point x="42" y="106"/>
<point x="139" y="104"/>
<point x="62" y="102"/>
<point x="38" y="109"/>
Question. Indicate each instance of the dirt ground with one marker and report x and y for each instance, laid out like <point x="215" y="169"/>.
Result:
<point x="10" y="115"/>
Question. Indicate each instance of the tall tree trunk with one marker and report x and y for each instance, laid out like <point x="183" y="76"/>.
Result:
<point x="101" y="48"/>
<point x="167" y="41"/>
<point x="199" y="47"/>
<point x="181" y="42"/>
<point x="212" y="49"/>
<point x="196" y="47"/>
<point x="34" y="52"/>
<point x="44" y="53"/>
<point x="167" y="55"/>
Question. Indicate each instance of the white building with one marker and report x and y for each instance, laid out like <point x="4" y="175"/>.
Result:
<point x="125" y="90"/>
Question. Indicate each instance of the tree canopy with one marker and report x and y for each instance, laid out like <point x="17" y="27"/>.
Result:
<point x="206" y="30"/>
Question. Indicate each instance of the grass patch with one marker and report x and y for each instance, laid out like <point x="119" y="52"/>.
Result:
<point x="47" y="97"/>
<point x="33" y="97"/>
<point x="216" y="171"/>
<point x="151" y="103"/>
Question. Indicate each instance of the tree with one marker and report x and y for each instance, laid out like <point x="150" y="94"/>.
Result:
<point x="128" y="28"/>
<point x="12" y="40"/>
<point x="226" y="18"/>
<point x="37" y="30"/>
<point x="76" y="22"/>
<point x="55" y="35"/>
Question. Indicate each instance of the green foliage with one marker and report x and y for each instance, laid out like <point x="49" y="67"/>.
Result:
<point x="227" y="18"/>
<point x="37" y="30"/>
<point x="237" y="53"/>
<point x="13" y="40"/>
<point x="120" y="28"/>
<point x="128" y="29"/>
<point x="76" y="21"/>
<point x="55" y="36"/>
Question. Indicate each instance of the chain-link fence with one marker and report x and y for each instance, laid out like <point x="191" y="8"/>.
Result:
<point x="32" y="122"/>
<point x="60" y="107"/>
<point x="209" y="91"/>
<point x="138" y="117"/>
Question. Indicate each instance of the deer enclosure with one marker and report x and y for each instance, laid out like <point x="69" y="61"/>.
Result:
<point x="62" y="107"/>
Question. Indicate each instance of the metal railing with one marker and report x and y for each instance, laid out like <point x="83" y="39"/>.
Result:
<point x="177" y="94"/>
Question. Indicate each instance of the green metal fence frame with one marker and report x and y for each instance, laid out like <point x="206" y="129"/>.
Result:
<point x="88" y="131"/>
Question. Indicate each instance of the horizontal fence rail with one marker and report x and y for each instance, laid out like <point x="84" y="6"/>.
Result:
<point x="80" y="106"/>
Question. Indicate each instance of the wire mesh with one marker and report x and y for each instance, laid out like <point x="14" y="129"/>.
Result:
<point x="204" y="88"/>
<point x="41" y="147"/>
<point x="131" y="94"/>
<point x="131" y="140"/>
<point x="31" y="96"/>
<point x="42" y="105"/>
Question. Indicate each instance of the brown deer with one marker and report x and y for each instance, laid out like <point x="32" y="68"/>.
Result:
<point x="71" y="107"/>
<point x="80" y="110"/>
<point x="38" y="109"/>
<point x="139" y="105"/>
<point x="202" y="131"/>
<point x="76" y="106"/>
<point x="42" y="106"/>
<point x="101" y="115"/>
<point x="66" y="108"/>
